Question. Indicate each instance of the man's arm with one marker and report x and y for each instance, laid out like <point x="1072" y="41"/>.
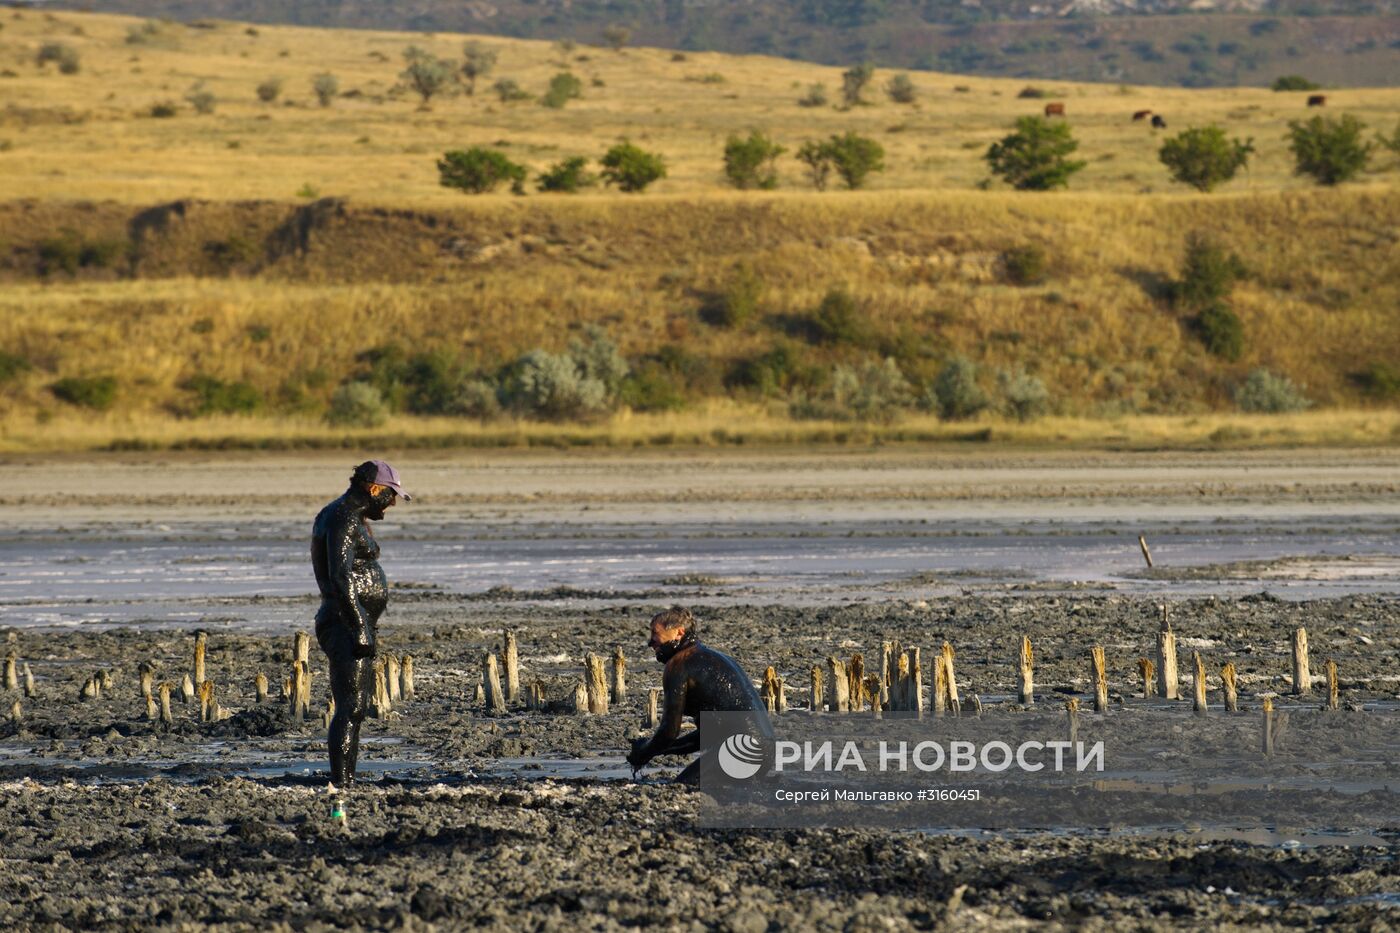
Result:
<point x="672" y="717"/>
<point x="340" y="562"/>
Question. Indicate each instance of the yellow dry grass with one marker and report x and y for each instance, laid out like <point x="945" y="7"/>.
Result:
<point x="384" y="152"/>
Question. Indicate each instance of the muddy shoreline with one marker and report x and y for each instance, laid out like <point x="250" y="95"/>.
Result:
<point x="226" y="823"/>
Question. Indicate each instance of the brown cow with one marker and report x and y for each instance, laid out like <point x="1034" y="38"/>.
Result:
<point x="1055" y="109"/>
<point x="1159" y="122"/>
<point x="1141" y="115"/>
<point x="1317" y="100"/>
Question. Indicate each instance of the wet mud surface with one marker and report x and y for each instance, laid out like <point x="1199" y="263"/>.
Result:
<point x="530" y="820"/>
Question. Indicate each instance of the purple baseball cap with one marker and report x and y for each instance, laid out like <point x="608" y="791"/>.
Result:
<point x="380" y="473"/>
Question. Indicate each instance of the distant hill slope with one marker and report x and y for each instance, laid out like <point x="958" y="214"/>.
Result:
<point x="1194" y="43"/>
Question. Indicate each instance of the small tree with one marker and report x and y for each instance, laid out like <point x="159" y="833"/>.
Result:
<point x="1330" y="150"/>
<point x="563" y="88"/>
<point x="955" y="393"/>
<point x="630" y="168"/>
<point x="814" y="155"/>
<point x="1294" y="83"/>
<point x="616" y="36"/>
<point x="815" y="96"/>
<point x="1203" y="157"/>
<point x="426" y="74"/>
<point x="853" y="82"/>
<point x="1207" y="275"/>
<point x="1036" y="156"/>
<point x="507" y="89"/>
<point x="567" y="176"/>
<point x="854" y="157"/>
<point x="269" y="89"/>
<point x="900" y="89"/>
<point x="326" y="86"/>
<point x="61" y="54"/>
<point x="1267" y="393"/>
<point x="750" y="161"/>
<point x="1222" y="331"/>
<point x="1391" y="142"/>
<point x="839" y="319"/>
<point x="478" y="170"/>
<point x="477" y="62"/>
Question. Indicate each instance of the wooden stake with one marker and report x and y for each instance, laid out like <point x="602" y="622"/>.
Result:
<point x="480" y="694"/>
<point x="201" y="641"/>
<point x="1027" y="666"/>
<point x="510" y="655"/>
<point x="187" y="690"/>
<point x="1146" y="554"/>
<point x="406" y="688"/>
<point x="1302" y="676"/>
<point x="1198" y="684"/>
<point x="916" y="680"/>
<point x="769" y="691"/>
<point x="888" y="652"/>
<point x="1268" y="740"/>
<point x="855" y="683"/>
<point x="16" y="713"/>
<point x="817" y="700"/>
<point x="296" y="704"/>
<point x="29" y="688"/>
<point x="148" y="676"/>
<point x="940" y="686"/>
<point x="165" y="716"/>
<point x="901" y="688"/>
<point x="619" y="675"/>
<point x="1228" y="683"/>
<point x="305" y="684"/>
<point x="89" y="691"/>
<point x="596" y="685"/>
<point x="1333" y="700"/>
<point x="840" y="701"/>
<point x="260" y="687"/>
<point x="152" y="711"/>
<point x="11" y="671"/>
<point x="782" y="696"/>
<point x="653" y="718"/>
<point x="1167" y="681"/>
<point x="381" y="706"/>
<point x="1148" y="671"/>
<point x="329" y="714"/>
<point x="580" y="698"/>
<point x="1100" y="675"/>
<point x="206" y="701"/>
<point x="1072" y="714"/>
<point x="872" y="691"/>
<point x="391" y="675"/>
<point x="954" y="703"/>
<point x="491" y="677"/>
<point x="977" y="704"/>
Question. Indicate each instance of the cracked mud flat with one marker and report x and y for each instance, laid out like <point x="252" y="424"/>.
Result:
<point x="529" y="820"/>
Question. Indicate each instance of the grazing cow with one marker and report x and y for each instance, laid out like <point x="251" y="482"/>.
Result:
<point x="1317" y="100"/>
<point x="1141" y="115"/>
<point x="1055" y="109"/>
<point x="1159" y="122"/>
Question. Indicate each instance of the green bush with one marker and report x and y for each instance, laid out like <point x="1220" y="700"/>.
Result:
<point x="751" y="161"/>
<point x="425" y="74"/>
<point x="563" y="88"/>
<point x="1025" y="265"/>
<point x="1379" y="380"/>
<point x="479" y="170"/>
<point x="955" y="394"/>
<point x="1035" y="157"/>
<point x="164" y="110"/>
<point x="1222" y="331"/>
<point x="815" y="96"/>
<point x="1208" y="274"/>
<point x="216" y="397"/>
<point x="630" y="168"/>
<point x="616" y="36"/>
<point x="95" y="392"/>
<point x="507" y="89"/>
<point x="61" y="54"/>
<point x="1330" y="150"/>
<point x="814" y="155"/>
<point x="651" y="387"/>
<point x="838" y="320"/>
<point x="1294" y="83"/>
<point x="875" y="391"/>
<point x="853" y="82"/>
<point x="778" y="370"/>
<point x="1024" y="397"/>
<point x="475" y="398"/>
<point x="1203" y="157"/>
<point x="855" y="157"/>
<point x="1032" y="93"/>
<point x="567" y="176"/>
<point x="901" y="89"/>
<point x="737" y="304"/>
<point x="12" y="366"/>
<point x="357" y="405"/>
<point x="550" y="385"/>
<point x="325" y="86"/>
<point x="70" y="252"/>
<point x="1266" y="393"/>
<point x="269" y="90"/>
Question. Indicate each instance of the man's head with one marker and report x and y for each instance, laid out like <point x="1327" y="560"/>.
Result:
<point x="670" y="631"/>
<point x="378" y="480"/>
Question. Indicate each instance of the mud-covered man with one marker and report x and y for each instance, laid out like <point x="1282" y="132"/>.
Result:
<point x="354" y="593"/>
<point x="698" y="679"/>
